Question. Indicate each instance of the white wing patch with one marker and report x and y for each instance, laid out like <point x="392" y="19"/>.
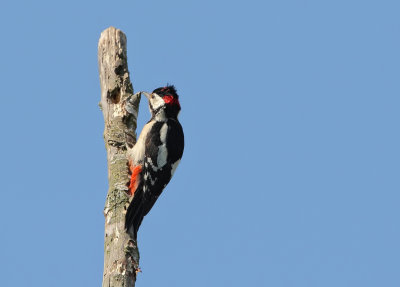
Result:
<point x="162" y="149"/>
<point x="162" y="156"/>
<point x="174" y="166"/>
<point x="163" y="133"/>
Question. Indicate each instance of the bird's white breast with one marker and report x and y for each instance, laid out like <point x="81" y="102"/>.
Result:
<point x="136" y="154"/>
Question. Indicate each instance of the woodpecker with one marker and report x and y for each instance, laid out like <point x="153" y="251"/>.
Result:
<point x="155" y="156"/>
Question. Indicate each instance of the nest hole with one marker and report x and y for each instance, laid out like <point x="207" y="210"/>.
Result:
<point x="114" y="96"/>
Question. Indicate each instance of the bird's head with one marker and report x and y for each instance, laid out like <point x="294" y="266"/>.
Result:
<point x="164" y="102"/>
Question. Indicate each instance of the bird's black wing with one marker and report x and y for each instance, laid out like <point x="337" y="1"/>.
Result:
<point x="157" y="177"/>
<point x="154" y="178"/>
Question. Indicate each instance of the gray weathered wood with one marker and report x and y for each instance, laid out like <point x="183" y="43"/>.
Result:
<point x="120" y="110"/>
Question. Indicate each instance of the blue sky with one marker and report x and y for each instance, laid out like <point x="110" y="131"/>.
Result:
<point x="290" y="175"/>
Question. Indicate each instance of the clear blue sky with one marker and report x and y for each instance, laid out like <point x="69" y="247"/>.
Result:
<point x="290" y="175"/>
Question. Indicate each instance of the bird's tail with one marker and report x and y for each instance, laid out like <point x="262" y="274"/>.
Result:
<point x="134" y="214"/>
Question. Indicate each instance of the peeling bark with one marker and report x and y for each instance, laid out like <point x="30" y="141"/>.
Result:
<point x="120" y="109"/>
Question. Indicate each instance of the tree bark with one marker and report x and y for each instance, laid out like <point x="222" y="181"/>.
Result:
<point x="120" y="109"/>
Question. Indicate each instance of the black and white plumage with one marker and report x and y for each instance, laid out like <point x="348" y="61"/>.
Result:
<point x="156" y="155"/>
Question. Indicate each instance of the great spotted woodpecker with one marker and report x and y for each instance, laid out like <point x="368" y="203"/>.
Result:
<point x="155" y="156"/>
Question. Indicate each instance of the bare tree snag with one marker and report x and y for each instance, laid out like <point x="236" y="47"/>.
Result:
<point x="120" y="109"/>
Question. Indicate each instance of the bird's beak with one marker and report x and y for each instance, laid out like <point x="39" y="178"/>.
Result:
<point x="147" y="95"/>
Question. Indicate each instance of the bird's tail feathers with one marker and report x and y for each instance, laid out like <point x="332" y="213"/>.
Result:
<point x="134" y="214"/>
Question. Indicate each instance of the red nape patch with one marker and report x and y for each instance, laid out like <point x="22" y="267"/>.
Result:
<point x="168" y="99"/>
<point x="135" y="170"/>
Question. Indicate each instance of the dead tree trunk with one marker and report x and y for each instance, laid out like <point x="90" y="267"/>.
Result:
<point x="120" y="109"/>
